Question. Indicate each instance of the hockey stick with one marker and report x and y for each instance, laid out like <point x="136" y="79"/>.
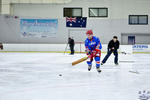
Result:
<point x="82" y="59"/>
<point x="79" y="61"/>
<point x="125" y="53"/>
<point x="136" y="72"/>
<point x="66" y="48"/>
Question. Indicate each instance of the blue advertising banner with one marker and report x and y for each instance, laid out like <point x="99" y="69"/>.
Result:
<point x="38" y="27"/>
<point x="141" y="48"/>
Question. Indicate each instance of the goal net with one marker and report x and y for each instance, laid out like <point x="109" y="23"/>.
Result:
<point x="79" y="37"/>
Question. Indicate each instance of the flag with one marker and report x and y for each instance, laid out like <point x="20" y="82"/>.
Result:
<point x="76" y="22"/>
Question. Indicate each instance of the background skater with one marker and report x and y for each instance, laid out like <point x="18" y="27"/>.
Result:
<point x="71" y="45"/>
<point x="113" y="47"/>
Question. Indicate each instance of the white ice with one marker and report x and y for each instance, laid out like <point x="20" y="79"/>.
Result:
<point x="35" y="76"/>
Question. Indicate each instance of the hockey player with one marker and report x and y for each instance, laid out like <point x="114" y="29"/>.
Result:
<point x="1" y="46"/>
<point x="71" y="45"/>
<point x="113" y="46"/>
<point x="93" y="49"/>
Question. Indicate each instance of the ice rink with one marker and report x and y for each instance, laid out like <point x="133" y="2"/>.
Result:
<point x="35" y="76"/>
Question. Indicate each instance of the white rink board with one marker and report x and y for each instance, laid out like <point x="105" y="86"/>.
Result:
<point x="48" y="47"/>
<point x="61" y="47"/>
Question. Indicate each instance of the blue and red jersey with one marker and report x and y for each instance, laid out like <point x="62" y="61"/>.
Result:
<point x="93" y="44"/>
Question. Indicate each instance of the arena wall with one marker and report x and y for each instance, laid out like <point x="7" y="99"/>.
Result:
<point x="105" y="28"/>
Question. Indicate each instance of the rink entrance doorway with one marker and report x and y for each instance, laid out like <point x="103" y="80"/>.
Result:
<point x="131" y="40"/>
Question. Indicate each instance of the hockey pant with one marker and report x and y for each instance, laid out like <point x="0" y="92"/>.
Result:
<point x="95" y="55"/>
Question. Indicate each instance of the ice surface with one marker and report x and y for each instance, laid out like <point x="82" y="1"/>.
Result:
<point x="35" y="76"/>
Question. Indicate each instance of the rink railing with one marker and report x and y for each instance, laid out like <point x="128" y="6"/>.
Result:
<point x="79" y="48"/>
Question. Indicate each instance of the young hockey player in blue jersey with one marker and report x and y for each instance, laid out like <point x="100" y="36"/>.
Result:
<point x="93" y="49"/>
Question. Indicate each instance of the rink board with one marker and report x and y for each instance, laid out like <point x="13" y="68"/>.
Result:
<point x="60" y="48"/>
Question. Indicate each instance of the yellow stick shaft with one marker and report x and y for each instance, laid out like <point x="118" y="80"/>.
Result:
<point x="79" y="61"/>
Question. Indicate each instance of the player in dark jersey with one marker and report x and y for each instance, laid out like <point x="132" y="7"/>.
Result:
<point x="71" y="45"/>
<point x="113" y="47"/>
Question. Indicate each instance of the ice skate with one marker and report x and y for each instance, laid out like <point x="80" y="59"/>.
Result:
<point x="98" y="69"/>
<point x="89" y="67"/>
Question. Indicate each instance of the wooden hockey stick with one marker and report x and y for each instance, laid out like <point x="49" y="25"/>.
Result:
<point x="66" y="48"/>
<point x="79" y="61"/>
<point x="84" y="58"/>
